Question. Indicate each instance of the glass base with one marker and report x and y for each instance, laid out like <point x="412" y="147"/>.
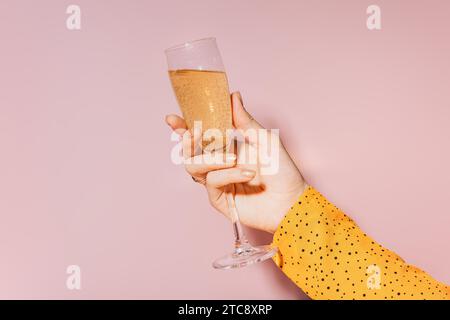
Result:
<point x="245" y="255"/>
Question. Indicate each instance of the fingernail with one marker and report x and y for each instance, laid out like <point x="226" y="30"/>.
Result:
<point x="248" y="173"/>
<point x="231" y="157"/>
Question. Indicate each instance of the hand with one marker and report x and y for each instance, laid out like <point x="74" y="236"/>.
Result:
<point x="261" y="200"/>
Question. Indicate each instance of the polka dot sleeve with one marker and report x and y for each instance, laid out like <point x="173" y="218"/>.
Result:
<point x="326" y="254"/>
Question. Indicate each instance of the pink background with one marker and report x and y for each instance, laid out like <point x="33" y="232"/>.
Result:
<point x="85" y="170"/>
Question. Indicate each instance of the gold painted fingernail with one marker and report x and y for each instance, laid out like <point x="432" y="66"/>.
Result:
<point x="248" y="173"/>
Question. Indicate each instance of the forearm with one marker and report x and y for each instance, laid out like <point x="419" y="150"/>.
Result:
<point x="326" y="254"/>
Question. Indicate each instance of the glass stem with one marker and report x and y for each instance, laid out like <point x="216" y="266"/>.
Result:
<point x="240" y="241"/>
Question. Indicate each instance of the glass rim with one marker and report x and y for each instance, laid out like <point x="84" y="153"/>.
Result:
<point x="185" y="44"/>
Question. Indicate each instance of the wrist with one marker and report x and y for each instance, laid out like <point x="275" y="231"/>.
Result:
<point x="291" y="200"/>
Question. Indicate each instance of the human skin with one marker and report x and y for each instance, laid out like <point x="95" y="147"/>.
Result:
<point x="261" y="200"/>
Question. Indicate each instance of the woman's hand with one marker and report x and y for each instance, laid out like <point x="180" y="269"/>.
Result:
<point x="261" y="200"/>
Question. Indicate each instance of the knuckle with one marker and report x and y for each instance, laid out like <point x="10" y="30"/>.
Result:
<point x="209" y="179"/>
<point x="188" y="169"/>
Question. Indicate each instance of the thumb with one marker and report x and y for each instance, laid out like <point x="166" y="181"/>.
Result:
<point x="241" y="118"/>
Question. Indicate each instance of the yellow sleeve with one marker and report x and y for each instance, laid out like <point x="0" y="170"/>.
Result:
<point x="326" y="254"/>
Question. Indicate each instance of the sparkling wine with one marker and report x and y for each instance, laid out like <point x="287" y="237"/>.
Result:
<point x="203" y="96"/>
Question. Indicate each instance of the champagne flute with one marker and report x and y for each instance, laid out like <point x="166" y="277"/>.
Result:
<point x="200" y="84"/>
